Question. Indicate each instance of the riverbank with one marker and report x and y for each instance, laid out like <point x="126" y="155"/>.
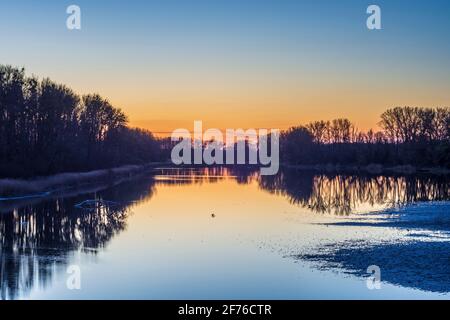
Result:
<point x="371" y="169"/>
<point x="17" y="189"/>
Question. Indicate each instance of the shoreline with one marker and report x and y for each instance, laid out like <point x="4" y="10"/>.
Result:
<point x="371" y="169"/>
<point x="18" y="189"/>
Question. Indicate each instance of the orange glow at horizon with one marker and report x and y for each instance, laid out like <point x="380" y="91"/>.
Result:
<point x="163" y="105"/>
<point x="278" y="101"/>
<point x="235" y="65"/>
<point x="280" y="112"/>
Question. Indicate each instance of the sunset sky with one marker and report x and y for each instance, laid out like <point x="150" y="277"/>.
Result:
<point x="246" y="63"/>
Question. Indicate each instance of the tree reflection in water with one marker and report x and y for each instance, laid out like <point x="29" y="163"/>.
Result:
<point x="39" y="235"/>
<point x="37" y="238"/>
<point x="342" y="194"/>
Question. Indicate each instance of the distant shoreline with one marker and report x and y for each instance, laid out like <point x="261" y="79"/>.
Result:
<point x="371" y="169"/>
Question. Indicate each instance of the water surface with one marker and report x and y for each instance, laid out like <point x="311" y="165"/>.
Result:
<point x="224" y="233"/>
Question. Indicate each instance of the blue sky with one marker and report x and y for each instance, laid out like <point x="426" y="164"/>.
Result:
<point x="219" y="56"/>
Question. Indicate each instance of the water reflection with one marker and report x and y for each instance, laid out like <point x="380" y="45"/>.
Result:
<point x="342" y="194"/>
<point x="180" y="176"/>
<point x="324" y="193"/>
<point x="38" y="236"/>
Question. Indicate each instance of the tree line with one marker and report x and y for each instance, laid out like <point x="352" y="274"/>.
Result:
<point x="408" y="136"/>
<point x="47" y="128"/>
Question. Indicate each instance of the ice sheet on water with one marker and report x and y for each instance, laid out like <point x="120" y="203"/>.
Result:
<point x="419" y="258"/>
<point x="433" y="216"/>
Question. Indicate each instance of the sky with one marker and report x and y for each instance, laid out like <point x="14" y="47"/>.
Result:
<point x="237" y="64"/>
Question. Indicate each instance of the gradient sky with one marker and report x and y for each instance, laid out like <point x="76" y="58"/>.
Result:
<point x="246" y="63"/>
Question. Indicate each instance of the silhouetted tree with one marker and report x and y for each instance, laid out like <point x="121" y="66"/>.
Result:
<point x="413" y="136"/>
<point x="296" y="145"/>
<point x="46" y="128"/>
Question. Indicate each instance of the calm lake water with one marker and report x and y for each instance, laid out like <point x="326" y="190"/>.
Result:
<point x="231" y="234"/>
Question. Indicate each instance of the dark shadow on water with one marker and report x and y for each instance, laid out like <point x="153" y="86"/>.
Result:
<point x="427" y="216"/>
<point x="419" y="258"/>
<point x="423" y="265"/>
